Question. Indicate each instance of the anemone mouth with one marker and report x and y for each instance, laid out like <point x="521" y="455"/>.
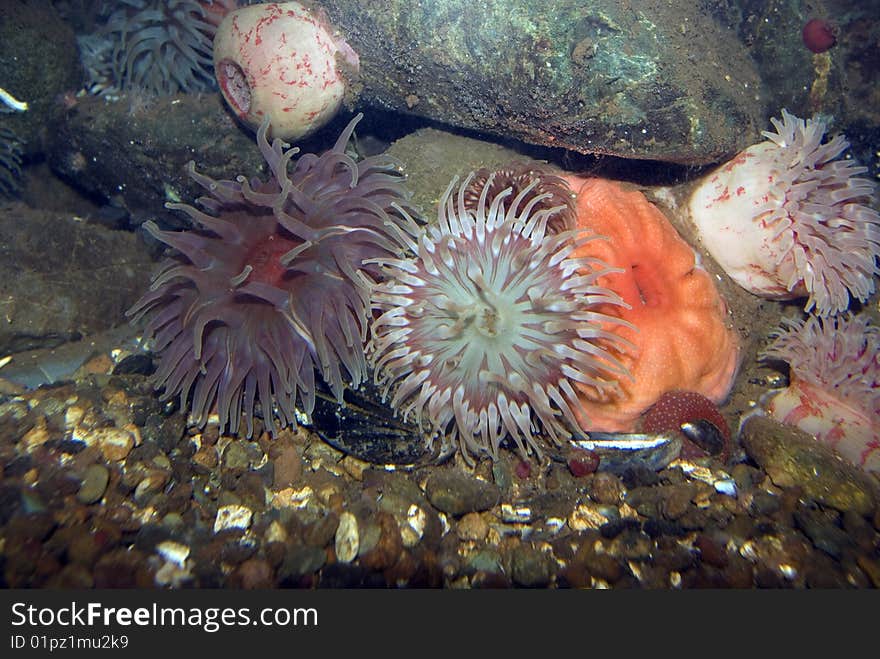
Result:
<point x="485" y="331"/>
<point x="234" y="86"/>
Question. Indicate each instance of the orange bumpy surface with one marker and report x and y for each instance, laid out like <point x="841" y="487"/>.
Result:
<point x="682" y="340"/>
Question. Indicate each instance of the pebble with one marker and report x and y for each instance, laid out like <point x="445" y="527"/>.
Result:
<point x="232" y="517"/>
<point x="206" y="458"/>
<point x="456" y="493"/>
<point x="347" y="540"/>
<point x="287" y="462"/>
<point x="822" y="530"/>
<point x="793" y="457"/>
<point x="94" y="484"/>
<point x="115" y="443"/>
<point x="387" y="550"/>
<point x="414" y="528"/>
<point x="607" y="488"/>
<point x="531" y="567"/>
<point x="235" y="457"/>
<point x="301" y="560"/>
<point x="587" y="516"/>
<point x="172" y="551"/>
<point x="472" y="527"/>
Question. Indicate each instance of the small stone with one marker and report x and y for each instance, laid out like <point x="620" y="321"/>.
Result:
<point x="115" y="443"/>
<point x="206" y="457"/>
<point x="455" y="493"/>
<point x="387" y="550"/>
<point x="607" y="488"/>
<point x="94" y="484"/>
<point x="472" y="527"/>
<point x="793" y="457"/>
<point x="153" y="482"/>
<point x="530" y="567"/>
<point x="254" y="573"/>
<point x="232" y="517"/>
<point x="414" y="528"/>
<point x="172" y="551"/>
<point x="822" y="530"/>
<point x="301" y="561"/>
<point x="36" y="436"/>
<point x="347" y="538"/>
<point x="587" y="516"/>
<point x="235" y="457"/>
<point x="677" y="500"/>
<point x="288" y="464"/>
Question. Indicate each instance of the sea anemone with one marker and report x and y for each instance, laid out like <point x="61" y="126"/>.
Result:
<point x="834" y="383"/>
<point x="554" y="191"/>
<point x="164" y="46"/>
<point x="487" y="329"/>
<point x="285" y="62"/>
<point x="787" y="218"/>
<point x="819" y="35"/>
<point x="675" y="318"/>
<point x="271" y="286"/>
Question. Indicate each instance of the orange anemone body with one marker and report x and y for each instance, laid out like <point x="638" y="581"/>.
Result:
<point x="679" y="335"/>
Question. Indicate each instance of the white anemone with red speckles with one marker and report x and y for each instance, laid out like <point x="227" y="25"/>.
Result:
<point x="282" y="61"/>
<point x="834" y="390"/>
<point x="789" y="218"/>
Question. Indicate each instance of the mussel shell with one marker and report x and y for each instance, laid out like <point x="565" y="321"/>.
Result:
<point x="365" y="427"/>
<point x="705" y="435"/>
<point x="622" y="452"/>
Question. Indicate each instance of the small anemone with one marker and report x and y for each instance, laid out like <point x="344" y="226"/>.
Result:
<point x="270" y="286"/>
<point x="840" y="354"/>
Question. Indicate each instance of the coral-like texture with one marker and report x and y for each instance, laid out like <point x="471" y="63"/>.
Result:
<point x="282" y="61"/>
<point x="834" y="390"/>
<point x="789" y="218"/>
<point x="488" y="329"/>
<point x="272" y="285"/>
<point x="675" y="322"/>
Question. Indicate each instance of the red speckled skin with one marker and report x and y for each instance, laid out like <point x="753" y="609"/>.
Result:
<point x="288" y="57"/>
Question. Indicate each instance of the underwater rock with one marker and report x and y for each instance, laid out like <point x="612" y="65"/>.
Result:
<point x="60" y="278"/>
<point x="601" y="77"/>
<point x="132" y="153"/>
<point x="40" y="63"/>
<point x="794" y="458"/>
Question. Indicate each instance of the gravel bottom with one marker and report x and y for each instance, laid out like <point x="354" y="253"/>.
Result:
<point x="104" y="486"/>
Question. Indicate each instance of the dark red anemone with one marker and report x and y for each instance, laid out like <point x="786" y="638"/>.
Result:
<point x="546" y="191"/>
<point x="271" y="285"/>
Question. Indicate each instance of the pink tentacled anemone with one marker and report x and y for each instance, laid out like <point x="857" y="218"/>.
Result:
<point x="271" y="286"/>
